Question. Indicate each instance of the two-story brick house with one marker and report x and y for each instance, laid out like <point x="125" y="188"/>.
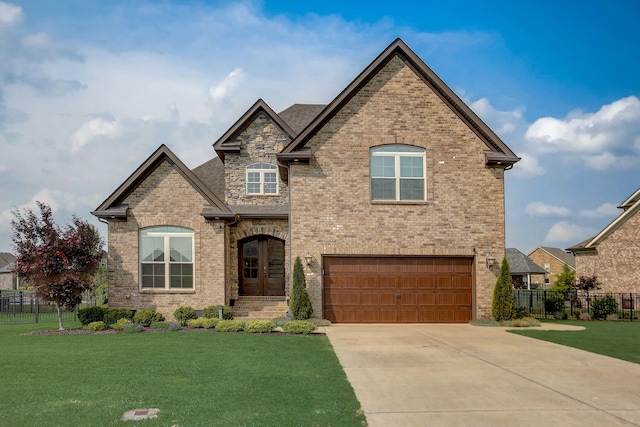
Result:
<point x="394" y="192"/>
<point x="612" y="255"/>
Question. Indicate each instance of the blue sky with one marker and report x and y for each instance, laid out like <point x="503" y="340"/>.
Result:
<point x="89" y="89"/>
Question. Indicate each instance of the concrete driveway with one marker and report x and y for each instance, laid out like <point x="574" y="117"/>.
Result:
<point x="463" y="375"/>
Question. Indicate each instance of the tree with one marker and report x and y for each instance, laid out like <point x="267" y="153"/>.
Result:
<point x="299" y="302"/>
<point x="588" y="283"/>
<point x="504" y="299"/>
<point x="58" y="264"/>
<point x="565" y="282"/>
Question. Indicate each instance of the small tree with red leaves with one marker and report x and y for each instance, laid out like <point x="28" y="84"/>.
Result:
<point x="57" y="263"/>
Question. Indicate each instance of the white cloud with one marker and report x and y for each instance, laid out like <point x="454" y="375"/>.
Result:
<point x="93" y="129"/>
<point x="587" y="133"/>
<point x="542" y="209"/>
<point x="603" y="211"/>
<point x="502" y="122"/>
<point x="56" y="199"/>
<point x="9" y="14"/>
<point x="527" y="167"/>
<point x="568" y="233"/>
<point x="227" y="86"/>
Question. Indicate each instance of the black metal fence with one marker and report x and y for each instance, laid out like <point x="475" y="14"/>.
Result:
<point x="18" y="307"/>
<point x="578" y="305"/>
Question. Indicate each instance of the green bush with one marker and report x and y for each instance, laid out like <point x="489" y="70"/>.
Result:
<point x="211" y="312"/>
<point x="91" y="314"/>
<point x="160" y="325"/>
<point x="183" y="314"/>
<point x="95" y="326"/>
<point x="146" y="316"/>
<point x="114" y="314"/>
<point x="173" y="327"/>
<point x="299" y="303"/>
<point x="230" y="325"/>
<point x="503" y="306"/>
<point x="203" y="322"/>
<point x="132" y="328"/>
<point x="121" y="324"/>
<point x="259" y="326"/>
<point x="554" y="302"/>
<point x="603" y="306"/>
<point x="299" y="327"/>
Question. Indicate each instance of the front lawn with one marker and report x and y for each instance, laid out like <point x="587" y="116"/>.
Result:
<point x="615" y="339"/>
<point x="193" y="378"/>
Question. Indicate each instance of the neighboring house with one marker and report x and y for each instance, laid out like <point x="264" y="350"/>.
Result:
<point x="394" y="192"/>
<point x="7" y="278"/>
<point x="614" y="254"/>
<point x="523" y="270"/>
<point x="553" y="261"/>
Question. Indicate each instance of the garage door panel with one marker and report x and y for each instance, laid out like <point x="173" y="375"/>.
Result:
<point x="398" y="289"/>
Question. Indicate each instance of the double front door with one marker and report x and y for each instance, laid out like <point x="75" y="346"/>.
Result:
<point x="261" y="265"/>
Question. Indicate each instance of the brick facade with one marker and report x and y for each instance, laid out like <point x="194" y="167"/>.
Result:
<point x="165" y="198"/>
<point x="616" y="259"/>
<point x="542" y="258"/>
<point x="332" y="212"/>
<point x="324" y="206"/>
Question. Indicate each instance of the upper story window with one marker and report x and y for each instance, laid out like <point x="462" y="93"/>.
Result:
<point x="262" y="178"/>
<point x="166" y="258"/>
<point x="398" y="173"/>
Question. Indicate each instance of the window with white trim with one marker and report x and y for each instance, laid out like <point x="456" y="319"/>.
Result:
<point x="262" y="179"/>
<point x="398" y="173"/>
<point x="166" y="258"/>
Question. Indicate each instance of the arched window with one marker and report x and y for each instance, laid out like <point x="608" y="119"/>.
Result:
<point x="262" y="179"/>
<point x="166" y="258"/>
<point x="398" y="173"/>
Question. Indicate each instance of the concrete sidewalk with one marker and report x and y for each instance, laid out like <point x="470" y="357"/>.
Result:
<point x="463" y="375"/>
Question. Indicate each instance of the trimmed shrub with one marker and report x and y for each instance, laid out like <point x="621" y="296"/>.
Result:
<point x="525" y="322"/>
<point x="230" y="325"/>
<point x="121" y="324"/>
<point x="114" y="314"/>
<point x="554" y="302"/>
<point x="299" y="327"/>
<point x="584" y="316"/>
<point x="173" y="327"/>
<point x="146" y="316"/>
<point x="132" y="328"/>
<point x="299" y="303"/>
<point x="211" y="312"/>
<point x="503" y="306"/>
<point x="202" y="323"/>
<point x="259" y="326"/>
<point x="95" y="326"/>
<point x="160" y="325"/>
<point x="603" y="306"/>
<point x="184" y="313"/>
<point x="91" y="314"/>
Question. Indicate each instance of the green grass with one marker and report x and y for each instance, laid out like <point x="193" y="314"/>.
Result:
<point x="193" y="378"/>
<point x="615" y="339"/>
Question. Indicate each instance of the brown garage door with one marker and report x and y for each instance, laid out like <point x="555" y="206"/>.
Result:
<point x="397" y="289"/>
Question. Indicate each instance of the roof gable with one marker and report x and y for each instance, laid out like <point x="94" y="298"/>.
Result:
<point x="228" y="142"/>
<point x="630" y="206"/>
<point x="497" y="153"/>
<point x="559" y="254"/>
<point x="112" y="207"/>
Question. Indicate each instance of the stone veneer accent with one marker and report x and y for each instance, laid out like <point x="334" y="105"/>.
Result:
<point x="165" y="198"/>
<point x="261" y="140"/>
<point x="616" y="261"/>
<point x="248" y="228"/>
<point x="331" y="210"/>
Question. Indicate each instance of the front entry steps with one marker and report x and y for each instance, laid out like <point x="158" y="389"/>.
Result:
<point x="267" y="308"/>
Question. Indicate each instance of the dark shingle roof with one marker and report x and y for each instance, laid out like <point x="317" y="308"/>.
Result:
<point x="6" y="258"/>
<point x="261" y="211"/>
<point x="520" y="264"/>
<point x="298" y="116"/>
<point x="211" y="173"/>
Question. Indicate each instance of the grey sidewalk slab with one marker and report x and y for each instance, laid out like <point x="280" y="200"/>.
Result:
<point x="416" y="375"/>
